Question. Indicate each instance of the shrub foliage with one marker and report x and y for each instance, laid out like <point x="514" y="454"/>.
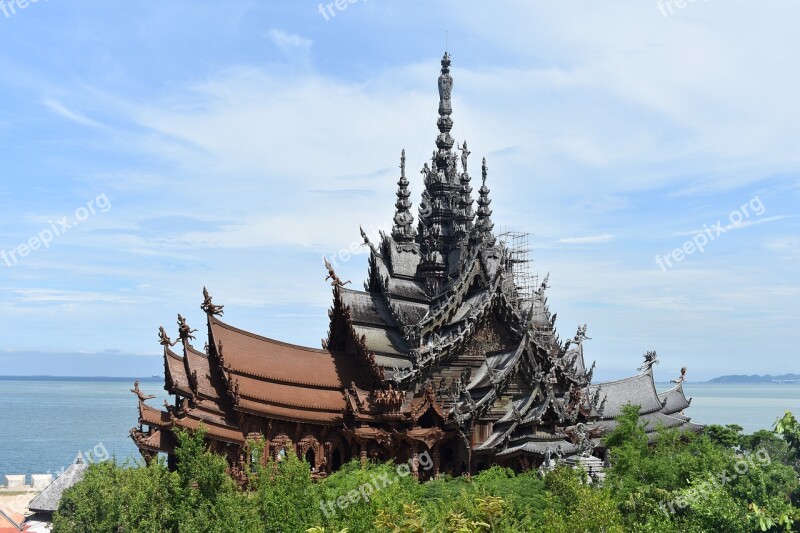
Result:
<point x="719" y="480"/>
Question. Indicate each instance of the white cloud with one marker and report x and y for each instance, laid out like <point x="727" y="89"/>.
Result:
<point x="293" y="47"/>
<point x="587" y="240"/>
<point x="59" y="109"/>
<point x="71" y="297"/>
<point x="757" y="221"/>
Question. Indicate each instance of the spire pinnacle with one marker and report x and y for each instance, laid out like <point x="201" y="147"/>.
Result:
<point x="403" y="230"/>
<point x="465" y="214"/>
<point x="444" y="141"/>
<point x="484" y="224"/>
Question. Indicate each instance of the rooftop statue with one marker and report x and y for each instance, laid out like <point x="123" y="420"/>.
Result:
<point x="464" y="155"/>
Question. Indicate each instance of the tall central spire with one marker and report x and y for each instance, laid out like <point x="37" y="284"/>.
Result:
<point x="444" y="141"/>
<point x="445" y="212"/>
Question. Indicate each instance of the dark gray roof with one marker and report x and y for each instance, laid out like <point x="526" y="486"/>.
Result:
<point x="47" y="501"/>
<point x="410" y="312"/>
<point x="365" y="308"/>
<point x="404" y="261"/>
<point x="651" y="421"/>
<point x="411" y="289"/>
<point x="541" y="448"/>
<point x="674" y="400"/>
<point x="636" y="390"/>
<point x="382" y="340"/>
<point x="495" y="364"/>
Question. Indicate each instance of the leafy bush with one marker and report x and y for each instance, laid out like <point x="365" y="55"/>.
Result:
<point x="719" y="480"/>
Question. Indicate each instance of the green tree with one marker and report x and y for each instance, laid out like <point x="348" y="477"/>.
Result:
<point x="286" y="499"/>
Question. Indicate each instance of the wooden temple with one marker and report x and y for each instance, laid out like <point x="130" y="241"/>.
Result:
<point x="442" y="352"/>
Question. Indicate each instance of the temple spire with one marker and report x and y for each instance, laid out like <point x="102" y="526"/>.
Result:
<point x="444" y="141"/>
<point x="465" y="214"/>
<point x="484" y="224"/>
<point x="403" y="229"/>
<point x="438" y="234"/>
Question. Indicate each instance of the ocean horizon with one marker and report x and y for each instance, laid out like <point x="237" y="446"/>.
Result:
<point x="46" y="421"/>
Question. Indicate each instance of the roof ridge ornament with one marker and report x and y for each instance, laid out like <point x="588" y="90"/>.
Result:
<point x="163" y="338"/>
<point x="335" y="281"/>
<point x="209" y="307"/>
<point x="681" y="378"/>
<point x="368" y="242"/>
<point x="650" y="359"/>
<point x="184" y="330"/>
<point x="137" y="391"/>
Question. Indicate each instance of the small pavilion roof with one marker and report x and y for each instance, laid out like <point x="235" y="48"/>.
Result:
<point x="47" y="501"/>
<point x="636" y="390"/>
<point x="674" y="400"/>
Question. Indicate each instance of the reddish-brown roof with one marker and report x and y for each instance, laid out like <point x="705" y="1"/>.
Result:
<point x="289" y="413"/>
<point x="305" y="398"/>
<point x="152" y="416"/>
<point x="192" y="421"/>
<point x="199" y="365"/>
<point x="11" y="521"/>
<point x="158" y="441"/>
<point x="280" y="362"/>
<point x="176" y="373"/>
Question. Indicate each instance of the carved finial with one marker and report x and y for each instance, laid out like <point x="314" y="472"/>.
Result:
<point x="335" y="281"/>
<point x="184" y="331"/>
<point x="368" y="242"/>
<point x="681" y="378"/>
<point x="164" y="339"/>
<point x="484" y="171"/>
<point x="403" y="163"/>
<point x="139" y="393"/>
<point x="650" y="359"/>
<point x="208" y="306"/>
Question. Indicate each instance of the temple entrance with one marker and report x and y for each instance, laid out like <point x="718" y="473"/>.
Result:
<point x="311" y="458"/>
<point x="336" y="460"/>
<point x="447" y="460"/>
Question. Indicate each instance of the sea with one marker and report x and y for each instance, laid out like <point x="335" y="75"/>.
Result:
<point x="46" y="423"/>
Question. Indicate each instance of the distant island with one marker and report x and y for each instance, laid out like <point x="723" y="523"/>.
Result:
<point x="783" y="378"/>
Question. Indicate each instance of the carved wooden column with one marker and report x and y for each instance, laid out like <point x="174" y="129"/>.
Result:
<point x="436" y="459"/>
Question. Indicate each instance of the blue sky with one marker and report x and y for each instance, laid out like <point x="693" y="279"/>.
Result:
<point x="232" y="144"/>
